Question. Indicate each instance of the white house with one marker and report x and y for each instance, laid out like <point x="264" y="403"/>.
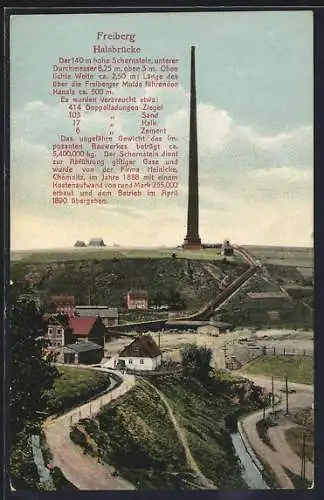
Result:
<point x="142" y="353"/>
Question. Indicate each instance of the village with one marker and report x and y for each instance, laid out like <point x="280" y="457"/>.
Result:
<point x="90" y="335"/>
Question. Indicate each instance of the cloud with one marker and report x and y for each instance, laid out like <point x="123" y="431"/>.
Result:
<point x="254" y="188"/>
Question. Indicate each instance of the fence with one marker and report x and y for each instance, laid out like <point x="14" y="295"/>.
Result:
<point x="93" y="407"/>
<point x="143" y="373"/>
<point x="286" y="351"/>
<point x="239" y="355"/>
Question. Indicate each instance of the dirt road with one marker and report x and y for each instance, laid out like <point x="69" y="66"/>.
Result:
<point x="283" y="456"/>
<point x="82" y="470"/>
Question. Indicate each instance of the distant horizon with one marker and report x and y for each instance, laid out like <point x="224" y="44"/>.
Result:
<point x="157" y="247"/>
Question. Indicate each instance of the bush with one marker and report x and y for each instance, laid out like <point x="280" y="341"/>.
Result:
<point x="60" y="481"/>
<point x="23" y="470"/>
<point x="196" y="360"/>
<point x="77" y="436"/>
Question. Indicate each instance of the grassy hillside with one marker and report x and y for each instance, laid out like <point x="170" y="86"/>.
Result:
<point x="286" y="311"/>
<point x="136" y="436"/>
<point x="107" y="281"/>
<point x="297" y="369"/>
<point x="74" y="386"/>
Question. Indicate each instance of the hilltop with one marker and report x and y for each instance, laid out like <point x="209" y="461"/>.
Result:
<point x="106" y="281"/>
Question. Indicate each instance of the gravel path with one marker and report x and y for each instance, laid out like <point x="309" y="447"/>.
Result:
<point x="84" y="471"/>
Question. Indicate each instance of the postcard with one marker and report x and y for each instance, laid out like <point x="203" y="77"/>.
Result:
<point x="161" y="250"/>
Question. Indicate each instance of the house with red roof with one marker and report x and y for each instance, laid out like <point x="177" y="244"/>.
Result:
<point x="63" y="330"/>
<point x="88" y="328"/>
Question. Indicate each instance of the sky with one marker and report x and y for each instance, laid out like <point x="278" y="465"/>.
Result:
<point x="254" y="79"/>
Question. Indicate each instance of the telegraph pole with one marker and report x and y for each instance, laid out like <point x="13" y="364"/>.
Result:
<point x="303" y="458"/>
<point x="272" y="392"/>
<point x="287" y="409"/>
<point x="225" y="352"/>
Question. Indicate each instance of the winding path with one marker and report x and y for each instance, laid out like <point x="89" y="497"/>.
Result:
<point x="84" y="471"/>
<point x="206" y="483"/>
<point x="284" y="455"/>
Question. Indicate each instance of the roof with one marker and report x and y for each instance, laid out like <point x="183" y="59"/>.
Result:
<point x="267" y="295"/>
<point x="102" y="311"/>
<point x="189" y="323"/>
<point x="63" y="299"/>
<point x="142" y="347"/>
<point x="82" y="347"/>
<point x="82" y="325"/>
<point x="138" y="293"/>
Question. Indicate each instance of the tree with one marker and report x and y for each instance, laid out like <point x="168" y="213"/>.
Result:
<point x="196" y="360"/>
<point x="30" y="374"/>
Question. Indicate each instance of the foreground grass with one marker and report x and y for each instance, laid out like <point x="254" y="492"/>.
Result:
<point x="136" y="436"/>
<point x="294" y="436"/>
<point x="297" y="369"/>
<point x="75" y="386"/>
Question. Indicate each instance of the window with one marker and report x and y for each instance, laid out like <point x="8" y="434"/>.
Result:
<point x="50" y="330"/>
<point x="59" y="330"/>
<point x="130" y="361"/>
<point x="142" y="361"/>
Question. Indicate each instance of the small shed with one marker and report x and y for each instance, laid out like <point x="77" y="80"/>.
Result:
<point x="85" y="353"/>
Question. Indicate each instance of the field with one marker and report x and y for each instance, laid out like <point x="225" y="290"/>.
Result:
<point x="297" y="369"/>
<point x="136" y="436"/>
<point x="75" y="386"/>
<point x="288" y="256"/>
<point x="54" y="255"/>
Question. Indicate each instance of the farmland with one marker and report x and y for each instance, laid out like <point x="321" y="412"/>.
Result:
<point x="104" y="253"/>
<point x="297" y="369"/>
<point x="288" y="256"/>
